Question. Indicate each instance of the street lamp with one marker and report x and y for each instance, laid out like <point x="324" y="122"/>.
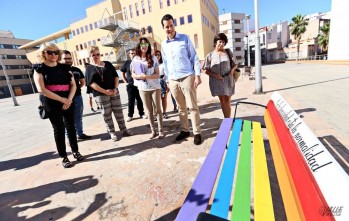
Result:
<point x="247" y="18"/>
<point x="8" y="83"/>
<point x="258" y="74"/>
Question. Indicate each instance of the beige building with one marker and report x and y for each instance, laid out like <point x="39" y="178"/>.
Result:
<point x="15" y="65"/>
<point x="115" y="26"/>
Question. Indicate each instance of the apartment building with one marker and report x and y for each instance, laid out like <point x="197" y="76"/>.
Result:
<point x="115" y="26"/>
<point x="232" y="25"/>
<point x="14" y="65"/>
<point x="338" y="48"/>
<point x="309" y="47"/>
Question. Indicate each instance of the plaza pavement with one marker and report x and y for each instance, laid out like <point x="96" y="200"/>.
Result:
<point x="140" y="179"/>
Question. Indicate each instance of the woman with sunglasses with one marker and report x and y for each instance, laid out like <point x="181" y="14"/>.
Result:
<point x="145" y="72"/>
<point x="57" y="87"/>
<point x="102" y="77"/>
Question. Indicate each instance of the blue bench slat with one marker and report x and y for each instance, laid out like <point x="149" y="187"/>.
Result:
<point x="221" y="202"/>
<point x="200" y="193"/>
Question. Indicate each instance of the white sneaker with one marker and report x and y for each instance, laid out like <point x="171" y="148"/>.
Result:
<point x="129" y="119"/>
<point x="113" y="137"/>
<point x="144" y="117"/>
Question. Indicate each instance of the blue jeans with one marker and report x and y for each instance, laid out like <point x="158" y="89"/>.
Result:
<point x="79" y="108"/>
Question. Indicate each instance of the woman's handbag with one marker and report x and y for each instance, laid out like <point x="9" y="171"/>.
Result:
<point x="236" y="74"/>
<point x="42" y="112"/>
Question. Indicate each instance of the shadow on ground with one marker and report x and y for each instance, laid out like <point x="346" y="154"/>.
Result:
<point x="13" y="204"/>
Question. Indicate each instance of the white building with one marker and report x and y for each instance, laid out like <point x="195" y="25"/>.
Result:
<point x="338" y="48"/>
<point x="232" y="25"/>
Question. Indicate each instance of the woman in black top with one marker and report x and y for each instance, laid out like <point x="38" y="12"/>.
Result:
<point x="57" y="87"/>
<point x="101" y="76"/>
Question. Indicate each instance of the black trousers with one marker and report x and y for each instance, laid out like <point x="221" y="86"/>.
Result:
<point x="133" y="94"/>
<point x="61" y="120"/>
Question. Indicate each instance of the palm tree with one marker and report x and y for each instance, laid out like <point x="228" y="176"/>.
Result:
<point x="323" y="38"/>
<point x="298" y="27"/>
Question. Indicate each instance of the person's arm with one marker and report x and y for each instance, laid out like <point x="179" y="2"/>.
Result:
<point x="96" y="87"/>
<point x="155" y="75"/>
<point x="124" y="71"/>
<point x="71" y="92"/>
<point x="124" y="77"/>
<point x="164" y="62"/>
<point x="40" y="85"/>
<point x="194" y="59"/>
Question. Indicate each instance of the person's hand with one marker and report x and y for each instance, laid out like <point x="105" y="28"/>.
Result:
<point x="142" y="77"/>
<point x="66" y="101"/>
<point x="167" y="89"/>
<point x="197" y="81"/>
<point x="218" y="77"/>
<point x="109" y="92"/>
<point x="65" y="106"/>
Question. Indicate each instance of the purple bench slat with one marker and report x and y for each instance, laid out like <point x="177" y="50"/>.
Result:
<point x="200" y="193"/>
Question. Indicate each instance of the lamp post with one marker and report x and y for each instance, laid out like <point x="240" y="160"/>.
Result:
<point x="8" y="83"/>
<point x="258" y="74"/>
<point x="31" y="83"/>
<point x="247" y="18"/>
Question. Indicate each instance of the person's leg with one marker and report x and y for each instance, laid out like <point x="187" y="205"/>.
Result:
<point x="118" y="114"/>
<point x="164" y="104"/>
<point x="222" y="101"/>
<point x="90" y="101"/>
<point x="105" y="104"/>
<point x="183" y="113"/>
<point x="147" y="101"/>
<point x="140" y="105"/>
<point x="157" y="100"/>
<point x="68" y="116"/>
<point x="191" y="100"/>
<point x="79" y="108"/>
<point x="131" y="100"/>
<point x="227" y="101"/>
<point x="174" y="102"/>
<point x="56" y="119"/>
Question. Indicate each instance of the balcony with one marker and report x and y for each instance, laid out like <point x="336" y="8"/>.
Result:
<point x="275" y="45"/>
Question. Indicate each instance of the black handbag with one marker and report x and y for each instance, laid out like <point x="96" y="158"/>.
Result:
<point x="42" y="112"/>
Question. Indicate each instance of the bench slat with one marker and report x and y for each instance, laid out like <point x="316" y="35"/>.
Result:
<point x="200" y="193"/>
<point x="263" y="204"/>
<point x="221" y="202"/>
<point x="305" y="186"/>
<point x="292" y="211"/>
<point x="242" y="196"/>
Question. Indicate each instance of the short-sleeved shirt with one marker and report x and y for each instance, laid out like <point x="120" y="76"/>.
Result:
<point x="56" y="79"/>
<point x="127" y="69"/>
<point x="77" y="73"/>
<point x="102" y="76"/>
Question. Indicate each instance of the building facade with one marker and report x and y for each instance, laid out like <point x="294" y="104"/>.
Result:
<point x="232" y="25"/>
<point x="338" y="48"/>
<point x="115" y="27"/>
<point x="14" y="65"/>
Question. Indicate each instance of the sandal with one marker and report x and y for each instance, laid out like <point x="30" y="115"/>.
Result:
<point x="152" y="135"/>
<point x="78" y="156"/>
<point x="66" y="162"/>
<point x="127" y="132"/>
<point x="165" y="116"/>
<point x="161" y="135"/>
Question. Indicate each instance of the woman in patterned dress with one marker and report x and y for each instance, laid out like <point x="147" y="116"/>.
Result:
<point x="220" y="66"/>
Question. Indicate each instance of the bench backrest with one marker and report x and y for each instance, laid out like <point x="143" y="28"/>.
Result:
<point x="301" y="162"/>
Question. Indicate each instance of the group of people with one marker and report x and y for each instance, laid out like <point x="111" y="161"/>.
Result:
<point x="149" y="77"/>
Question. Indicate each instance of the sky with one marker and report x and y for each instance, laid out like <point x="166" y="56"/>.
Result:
<point x="34" y="19"/>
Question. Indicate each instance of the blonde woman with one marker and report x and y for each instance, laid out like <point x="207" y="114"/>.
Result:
<point x="101" y="76"/>
<point x="145" y="72"/>
<point x="57" y="87"/>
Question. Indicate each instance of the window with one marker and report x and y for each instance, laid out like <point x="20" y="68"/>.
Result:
<point x="77" y="47"/>
<point x="143" y="31"/>
<point x="236" y="30"/>
<point x="176" y="1"/>
<point x="80" y="62"/>
<point x="175" y="22"/>
<point x="150" y="29"/>
<point x="237" y="21"/>
<point x="81" y="48"/>
<point x="196" y="41"/>
<point x="86" y="28"/>
<point x="89" y="43"/>
<point x="237" y="39"/>
<point x="73" y="32"/>
<point x="137" y="34"/>
<point x="161" y="3"/>
<point x="225" y="32"/>
<point x="190" y="18"/>
<point x="132" y="35"/>
<point x="143" y="7"/>
<point x="85" y="45"/>
<point x="269" y="35"/>
<point x="125" y="13"/>
<point x="1" y="46"/>
<point x="94" y="42"/>
<point x="149" y="5"/>
<point x="131" y="15"/>
<point x="155" y="46"/>
<point x="91" y="27"/>
<point x="238" y="57"/>
<point x="181" y="20"/>
<point x="82" y="30"/>
<point x="168" y="3"/>
<point x="96" y="24"/>
<point x="77" y="31"/>
<point x="238" y="49"/>
<point x="136" y="6"/>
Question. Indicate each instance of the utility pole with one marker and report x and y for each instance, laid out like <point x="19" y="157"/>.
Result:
<point x="248" y="40"/>
<point x="8" y="83"/>
<point x="258" y="74"/>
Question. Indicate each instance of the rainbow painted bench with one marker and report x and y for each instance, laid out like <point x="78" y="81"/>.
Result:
<point x="313" y="185"/>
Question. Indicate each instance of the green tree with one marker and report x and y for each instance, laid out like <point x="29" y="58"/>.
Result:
<point x="298" y="27"/>
<point x="323" y="38"/>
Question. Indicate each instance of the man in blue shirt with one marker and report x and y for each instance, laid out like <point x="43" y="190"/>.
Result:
<point x="182" y="72"/>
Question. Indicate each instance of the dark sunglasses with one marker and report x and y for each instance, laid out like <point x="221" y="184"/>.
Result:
<point x="94" y="55"/>
<point x="52" y="52"/>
